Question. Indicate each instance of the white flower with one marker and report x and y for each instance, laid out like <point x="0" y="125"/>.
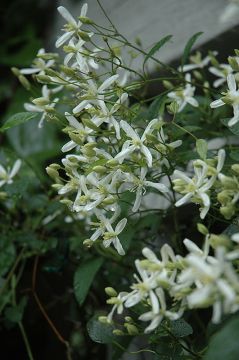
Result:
<point x="184" y="96"/>
<point x="144" y="288"/>
<point x="162" y="313"/>
<point x="136" y="143"/>
<point x="140" y="184"/>
<point x="118" y="305"/>
<point x="198" y="62"/>
<point x="73" y="27"/>
<point x="232" y="98"/>
<point x="82" y="131"/>
<point x="39" y="65"/>
<point x="6" y="175"/>
<point x="198" y="186"/>
<point x="95" y="94"/>
<point x="222" y="72"/>
<point x="107" y="115"/>
<point x="111" y="235"/>
<point x="42" y="104"/>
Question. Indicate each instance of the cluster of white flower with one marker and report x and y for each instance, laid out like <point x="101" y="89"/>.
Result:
<point x="196" y="188"/>
<point x="112" y="149"/>
<point x="110" y="155"/>
<point x="198" y="280"/>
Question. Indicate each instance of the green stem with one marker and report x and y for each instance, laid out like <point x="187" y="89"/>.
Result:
<point x="25" y="339"/>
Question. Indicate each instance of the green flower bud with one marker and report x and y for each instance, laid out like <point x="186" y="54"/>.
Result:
<point x="227" y="211"/>
<point x="15" y="71"/>
<point x="118" y="332"/>
<point x="202" y="229"/>
<point x="88" y="243"/>
<point x="25" y="83"/>
<point x="110" y="291"/>
<point x="167" y="84"/>
<point x="233" y="63"/>
<point x="235" y="168"/>
<point x="132" y="329"/>
<point x="85" y="20"/>
<point x="219" y="240"/>
<point x="103" y="319"/>
<point x="84" y="36"/>
<point x="44" y="79"/>
<point x="99" y="169"/>
<point x="128" y="319"/>
<point x="173" y="107"/>
<point x="52" y="172"/>
<point x="41" y="101"/>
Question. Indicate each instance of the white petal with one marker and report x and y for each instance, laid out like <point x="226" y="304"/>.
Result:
<point x="121" y="225"/>
<point x="15" y="168"/>
<point x="106" y="84"/>
<point x="184" y="199"/>
<point x="81" y="106"/>
<point x="66" y="15"/>
<point x="63" y="38"/>
<point x="231" y="82"/>
<point x="68" y="146"/>
<point x="129" y="130"/>
<point x="217" y="103"/>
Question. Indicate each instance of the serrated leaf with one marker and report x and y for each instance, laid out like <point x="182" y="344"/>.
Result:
<point x="156" y="47"/>
<point x="100" y="333"/>
<point x="234" y="129"/>
<point x="201" y="146"/>
<point x="17" y="119"/>
<point x="84" y="277"/>
<point x="180" y="328"/>
<point x="224" y="344"/>
<point x="189" y="46"/>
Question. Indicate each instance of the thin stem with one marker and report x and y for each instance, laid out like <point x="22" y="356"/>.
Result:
<point x="25" y="339"/>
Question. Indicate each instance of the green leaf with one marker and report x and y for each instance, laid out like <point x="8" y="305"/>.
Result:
<point x="180" y="328"/>
<point x="15" y="313"/>
<point x="234" y="129"/>
<point x="17" y="119"/>
<point x="234" y="154"/>
<point x="84" y="277"/>
<point x="100" y="333"/>
<point x="7" y="255"/>
<point x="224" y="344"/>
<point x="201" y="146"/>
<point x="189" y="46"/>
<point x="156" y="47"/>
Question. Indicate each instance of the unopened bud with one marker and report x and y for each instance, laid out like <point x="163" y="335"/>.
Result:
<point x="52" y="172"/>
<point x="110" y="291"/>
<point x="103" y="319"/>
<point x="99" y="169"/>
<point x="118" y="332"/>
<point x="86" y="20"/>
<point x="235" y="168"/>
<point x="25" y="83"/>
<point x="132" y="329"/>
<point x="88" y="243"/>
<point x="15" y="71"/>
<point x="202" y="229"/>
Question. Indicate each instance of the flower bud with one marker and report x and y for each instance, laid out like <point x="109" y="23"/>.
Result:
<point x="86" y="20"/>
<point x="99" y="169"/>
<point x="132" y="329"/>
<point x="53" y="173"/>
<point x="235" y="168"/>
<point x="202" y="229"/>
<point x="110" y="291"/>
<point x="118" y="332"/>
<point x="227" y="211"/>
<point x="88" y="243"/>
<point x="103" y="319"/>
<point x="25" y="83"/>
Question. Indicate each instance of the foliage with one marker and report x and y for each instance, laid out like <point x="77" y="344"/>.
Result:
<point x="138" y="177"/>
